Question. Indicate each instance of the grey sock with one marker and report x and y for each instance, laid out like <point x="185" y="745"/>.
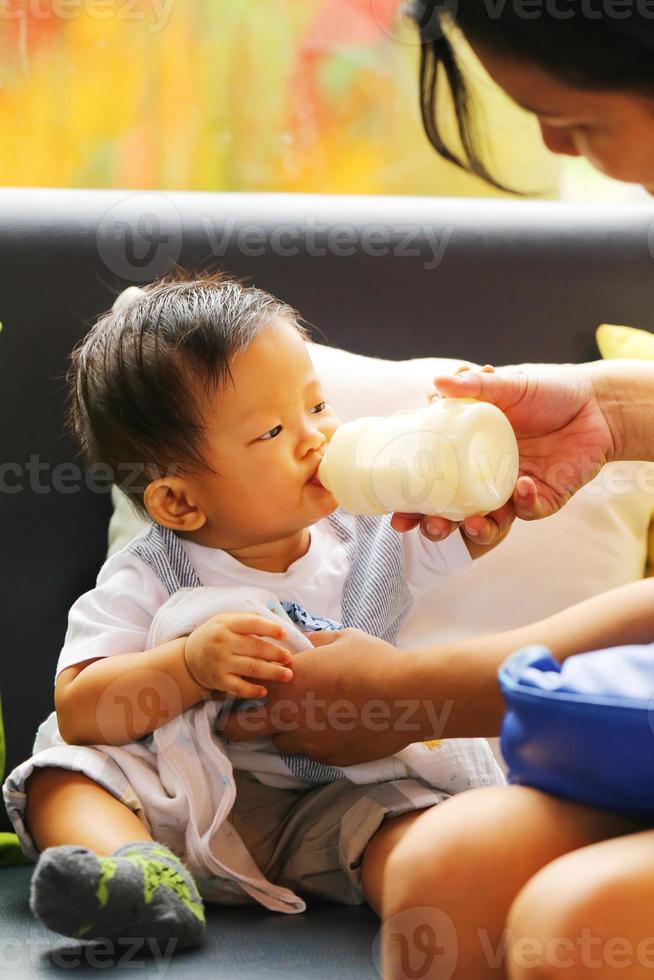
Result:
<point x="142" y="890"/>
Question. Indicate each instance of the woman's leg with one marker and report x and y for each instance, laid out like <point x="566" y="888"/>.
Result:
<point x="587" y="915"/>
<point x="376" y="854"/>
<point x="451" y="874"/>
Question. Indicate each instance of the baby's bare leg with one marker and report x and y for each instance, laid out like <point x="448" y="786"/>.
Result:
<point x="452" y="873"/>
<point x="66" y="807"/>
<point x="100" y="874"/>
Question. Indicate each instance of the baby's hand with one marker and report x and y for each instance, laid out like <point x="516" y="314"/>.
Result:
<point x="226" y="649"/>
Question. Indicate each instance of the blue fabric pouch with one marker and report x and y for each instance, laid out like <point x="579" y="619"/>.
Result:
<point x="583" y="729"/>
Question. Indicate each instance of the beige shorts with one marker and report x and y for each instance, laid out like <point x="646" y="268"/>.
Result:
<point x="312" y="841"/>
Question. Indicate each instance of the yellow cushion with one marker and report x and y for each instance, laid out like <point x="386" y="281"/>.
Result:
<point x="614" y="341"/>
<point x="628" y="342"/>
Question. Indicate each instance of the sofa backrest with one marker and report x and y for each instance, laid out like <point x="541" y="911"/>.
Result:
<point x="392" y="277"/>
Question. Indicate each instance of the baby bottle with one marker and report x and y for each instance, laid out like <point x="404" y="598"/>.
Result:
<point x="454" y="458"/>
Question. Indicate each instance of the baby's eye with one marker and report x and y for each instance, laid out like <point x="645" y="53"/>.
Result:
<point x="271" y="433"/>
<point x="320" y="407"/>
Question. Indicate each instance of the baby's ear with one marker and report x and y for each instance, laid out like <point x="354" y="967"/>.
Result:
<point x="168" y="503"/>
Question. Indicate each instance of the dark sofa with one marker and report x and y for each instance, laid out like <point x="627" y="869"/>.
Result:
<point x="392" y="277"/>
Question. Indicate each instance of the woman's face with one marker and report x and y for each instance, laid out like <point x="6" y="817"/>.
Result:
<point x="613" y="130"/>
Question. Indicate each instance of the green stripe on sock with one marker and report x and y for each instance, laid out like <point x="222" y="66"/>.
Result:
<point x="157" y="874"/>
<point x="107" y="871"/>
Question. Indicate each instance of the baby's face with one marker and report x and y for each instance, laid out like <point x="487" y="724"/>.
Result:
<point x="266" y="434"/>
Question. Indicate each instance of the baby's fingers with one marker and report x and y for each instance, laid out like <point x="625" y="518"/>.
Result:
<point x="242" y="689"/>
<point x="251" y="623"/>
<point x="437" y="528"/>
<point x="252" y="646"/>
<point x="261" y="669"/>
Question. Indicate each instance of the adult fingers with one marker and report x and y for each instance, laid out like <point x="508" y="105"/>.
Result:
<point x="503" y="390"/>
<point x="324" y="637"/>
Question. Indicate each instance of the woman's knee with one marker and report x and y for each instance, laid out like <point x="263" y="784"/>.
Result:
<point x="565" y="924"/>
<point x="436" y="861"/>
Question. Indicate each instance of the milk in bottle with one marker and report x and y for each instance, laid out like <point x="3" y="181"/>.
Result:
<point x="454" y="458"/>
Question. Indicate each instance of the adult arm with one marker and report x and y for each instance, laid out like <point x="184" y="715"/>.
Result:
<point x="355" y="698"/>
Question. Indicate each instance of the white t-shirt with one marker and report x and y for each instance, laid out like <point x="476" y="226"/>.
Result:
<point x="115" y="616"/>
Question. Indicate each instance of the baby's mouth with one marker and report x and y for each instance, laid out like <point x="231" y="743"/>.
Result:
<point x="313" y="480"/>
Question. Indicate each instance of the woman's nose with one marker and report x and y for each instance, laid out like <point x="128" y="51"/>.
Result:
<point x="558" y="140"/>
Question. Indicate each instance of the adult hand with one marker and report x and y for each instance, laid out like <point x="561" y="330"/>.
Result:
<point x="483" y="533"/>
<point x="345" y="704"/>
<point x="564" y="436"/>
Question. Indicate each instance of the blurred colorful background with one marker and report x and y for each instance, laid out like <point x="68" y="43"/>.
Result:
<point x="263" y="95"/>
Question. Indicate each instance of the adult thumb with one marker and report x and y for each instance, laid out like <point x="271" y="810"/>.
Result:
<point x="503" y="390"/>
<point x="323" y="637"/>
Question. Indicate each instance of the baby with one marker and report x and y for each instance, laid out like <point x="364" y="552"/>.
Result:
<point x="202" y="398"/>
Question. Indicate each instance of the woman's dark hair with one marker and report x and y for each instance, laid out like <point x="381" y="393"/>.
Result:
<point x="138" y="382"/>
<point x="592" y="44"/>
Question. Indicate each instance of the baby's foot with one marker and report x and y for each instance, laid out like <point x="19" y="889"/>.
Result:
<point x="141" y="891"/>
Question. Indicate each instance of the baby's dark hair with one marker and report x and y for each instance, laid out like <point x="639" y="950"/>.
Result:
<point x="139" y="379"/>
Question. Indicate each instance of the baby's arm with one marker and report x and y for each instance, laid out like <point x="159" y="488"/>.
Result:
<point x="426" y="562"/>
<point x="121" y="698"/>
